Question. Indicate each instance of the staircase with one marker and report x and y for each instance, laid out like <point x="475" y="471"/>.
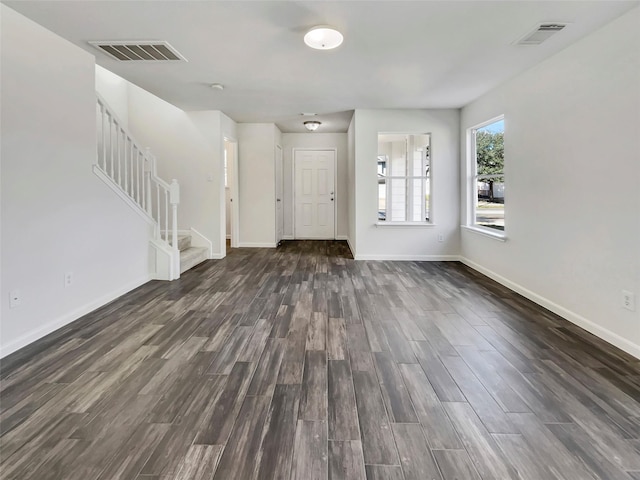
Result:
<point x="190" y="256"/>
<point x="130" y="171"/>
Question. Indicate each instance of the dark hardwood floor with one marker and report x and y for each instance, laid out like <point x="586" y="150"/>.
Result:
<point x="300" y="363"/>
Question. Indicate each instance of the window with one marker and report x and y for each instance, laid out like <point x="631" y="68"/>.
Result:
<point x="404" y="164"/>
<point x="487" y="181"/>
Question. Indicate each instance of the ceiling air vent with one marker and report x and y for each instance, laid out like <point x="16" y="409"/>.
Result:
<point x="541" y="33"/>
<point x="132" y="50"/>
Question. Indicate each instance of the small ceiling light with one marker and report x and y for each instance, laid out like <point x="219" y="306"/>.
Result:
<point x="312" y="125"/>
<point x="217" y="86"/>
<point x="323" y="37"/>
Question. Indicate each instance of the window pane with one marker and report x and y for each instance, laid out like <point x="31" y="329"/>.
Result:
<point x="490" y="206"/>
<point x="489" y="183"/>
<point x="398" y="200"/>
<point x="417" y="200"/>
<point x="382" y="200"/>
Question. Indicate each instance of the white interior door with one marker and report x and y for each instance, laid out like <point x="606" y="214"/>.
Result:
<point x="279" y="196"/>
<point x="314" y="196"/>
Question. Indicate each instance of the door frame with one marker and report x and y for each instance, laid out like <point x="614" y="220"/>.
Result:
<point x="335" y="186"/>
<point x="235" y="205"/>
<point x="275" y="174"/>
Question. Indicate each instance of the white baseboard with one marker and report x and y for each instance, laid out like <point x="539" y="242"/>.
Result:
<point x="590" y="326"/>
<point x="342" y="237"/>
<point x="256" y="245"/>
<point x="288" y="237"/>
<point x="218" y="256"/>
<point x="410" y="258"/>
<point x="66" y="319"/>
<point x="228" y="236"/>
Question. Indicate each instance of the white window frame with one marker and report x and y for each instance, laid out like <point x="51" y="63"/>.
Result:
<point x="408" y="179"/>
<point x="473" y="177"/>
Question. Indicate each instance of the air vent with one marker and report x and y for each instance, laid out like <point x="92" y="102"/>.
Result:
<point x="146" y="51"/>
<point x="541" y="33"/>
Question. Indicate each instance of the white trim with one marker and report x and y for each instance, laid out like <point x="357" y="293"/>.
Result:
<point x="228" y="236"/>
<point x="342" y="237"/>
<point x="100" y="173"/>
<point x="335" y="187"/>
<point x="67" y="318"/>
<point x="288" y="237"/>
<point x="485" y="232"/>
<point x="257" y="245"/>
<point x="405" y="224"/>
<point x="588" y="325"/>
<point x="409" y="258"/>
<point x="217" y="256"/>
<point x="235" y="189"/>
<point x="275" y="203"/>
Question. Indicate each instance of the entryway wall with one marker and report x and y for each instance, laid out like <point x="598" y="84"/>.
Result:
<point x="317" y="141"/>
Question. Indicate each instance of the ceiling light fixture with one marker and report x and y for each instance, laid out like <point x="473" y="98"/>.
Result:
<point x="312" y="125"/>
<point x="323" y="37"/>
<point x="217" y="86"/>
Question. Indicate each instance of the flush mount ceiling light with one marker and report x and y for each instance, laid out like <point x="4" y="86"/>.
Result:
<point x="312" y="125"/>
<point x="323" y="37"/>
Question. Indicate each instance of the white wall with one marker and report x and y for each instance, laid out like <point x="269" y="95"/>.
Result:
<point x="572" y="130"/>
<point x="57" y="216"/>
<point x="317" y="141"/>
<point x="256" y="178"/>
<point x="115" y="91"/>
<point x="408" y="242"/>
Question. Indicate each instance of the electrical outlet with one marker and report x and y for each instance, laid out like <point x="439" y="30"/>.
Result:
<point x="68" y="279"/>
<point x="440" y="237"/>
<point x="15" y="298"/>
<point x="628" y="300"/>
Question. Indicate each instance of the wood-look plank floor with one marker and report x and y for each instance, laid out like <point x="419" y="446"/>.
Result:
<point x="300" y="363"/>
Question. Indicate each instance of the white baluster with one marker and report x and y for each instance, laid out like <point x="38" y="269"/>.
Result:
<point x="147" y="182"/>
<point x="175" y="200"/>
<point x="126" y="165"/>
<point x="103" y="133"/>
<point x="111" y="144"/>
<point x="138" y="176"/>
<point x="118" y="142"/>
<point x="131" y="149"/>
<point x="158" y="208"/>
<point x="166" y="215"/>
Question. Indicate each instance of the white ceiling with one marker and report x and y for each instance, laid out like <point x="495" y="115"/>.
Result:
<point x="396" y="54"/>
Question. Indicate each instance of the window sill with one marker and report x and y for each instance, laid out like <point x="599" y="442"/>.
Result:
<point x="404" y="224"/>
<point x="501" y="237"/>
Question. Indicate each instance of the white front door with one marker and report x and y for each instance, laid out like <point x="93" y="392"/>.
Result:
<point x="279" y="194"/>
<point x="314" y="194"/>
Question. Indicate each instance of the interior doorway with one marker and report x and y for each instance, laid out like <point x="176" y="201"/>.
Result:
<point x="314" y="194"/>
<point x="231" y="193"/>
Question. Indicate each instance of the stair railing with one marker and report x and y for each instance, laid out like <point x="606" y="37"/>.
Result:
<point x="133" y="170"/>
